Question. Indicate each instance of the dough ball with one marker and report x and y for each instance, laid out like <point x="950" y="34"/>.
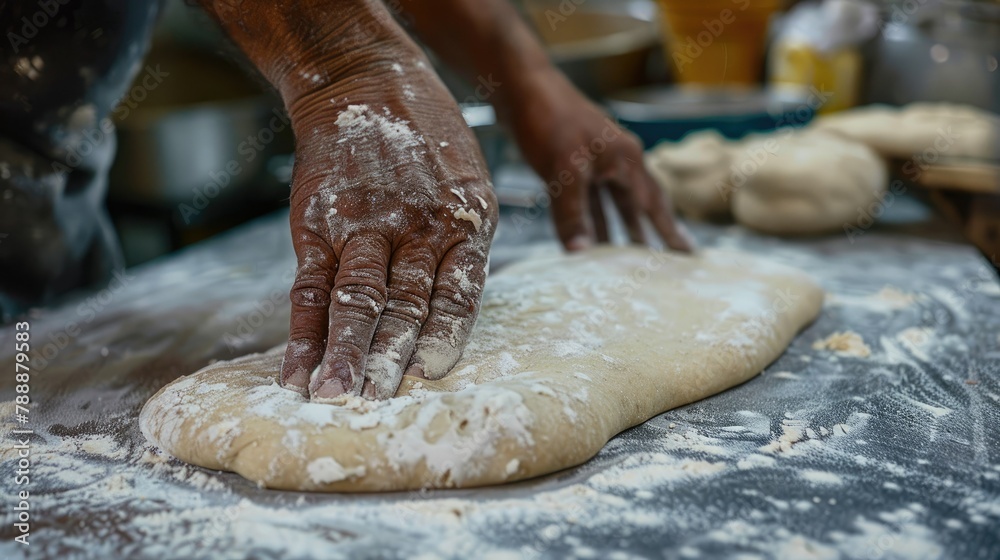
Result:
<point x="929" y="130"/>
<point x="695" y="172"/>
<point x="806" y="182"/>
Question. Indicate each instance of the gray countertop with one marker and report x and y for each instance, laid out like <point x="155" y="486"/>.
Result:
<point x="891" y="455"/>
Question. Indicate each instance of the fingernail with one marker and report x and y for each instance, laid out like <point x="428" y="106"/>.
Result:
<point x="297" y="381"/>
<point x="339" y="377"/>
<point x="416" y="370"/>
<point x="579" y="243"/>
<point x="330" y="389"/>
<point x="368" y="391"/>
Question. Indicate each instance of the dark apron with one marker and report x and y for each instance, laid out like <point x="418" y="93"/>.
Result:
<point x="64" y="64"/>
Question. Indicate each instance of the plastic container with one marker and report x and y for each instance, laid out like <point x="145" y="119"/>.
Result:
<point x="717" y="42"/>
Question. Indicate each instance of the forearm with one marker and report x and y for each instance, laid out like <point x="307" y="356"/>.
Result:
<point x="325" y="56"/>
<point x="482" y="40"/>
<point x="306" y="48"/>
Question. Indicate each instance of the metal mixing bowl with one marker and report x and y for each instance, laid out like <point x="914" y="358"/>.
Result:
<point x="185" y="132"/>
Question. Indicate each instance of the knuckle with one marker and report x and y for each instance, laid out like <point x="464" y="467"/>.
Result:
<point x="360" y="298"/>
<point x="310" y="292"/>
<point x="563" y="162"/>
<point x="458" y="303"/>
<point x="348" y="350"/>
<point x="407" y="305"/>
<point x="314" y="256"/>
<point x="306" y="331"/>
<point x="414" y="277"/>
<point x="364" y="273"/>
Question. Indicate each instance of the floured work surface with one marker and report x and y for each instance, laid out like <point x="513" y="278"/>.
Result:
<point x="567" y="352"/>
<point x="828" y="454"/>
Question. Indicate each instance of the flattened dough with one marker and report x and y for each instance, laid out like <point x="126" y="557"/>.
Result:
<point x="568" y="351"/>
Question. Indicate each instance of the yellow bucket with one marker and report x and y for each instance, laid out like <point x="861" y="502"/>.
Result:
<point x="717" y="42"/>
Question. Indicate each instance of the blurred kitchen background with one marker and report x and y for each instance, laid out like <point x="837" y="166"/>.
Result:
<point x="205" y="149"/>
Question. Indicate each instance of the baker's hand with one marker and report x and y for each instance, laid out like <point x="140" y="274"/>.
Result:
<point x="392" y="215"/>
<point x="579" y="152"/>
<point x="392" y="210"/>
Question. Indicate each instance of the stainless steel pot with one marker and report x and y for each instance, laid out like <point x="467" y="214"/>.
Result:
<point x="601" y="46"/>
<point x="205" y="128"/>
<point x="936" y="51"/>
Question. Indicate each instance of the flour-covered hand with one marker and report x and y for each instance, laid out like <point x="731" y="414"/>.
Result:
<point x="392" y="210"/>
<point x="392" y="215"/>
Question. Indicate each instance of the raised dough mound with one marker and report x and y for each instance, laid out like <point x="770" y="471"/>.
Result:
<point x="821" y="178"/>
<point x="928" y="130"/>
<point x="810" y="182"/>
<point x="695" y="171"/>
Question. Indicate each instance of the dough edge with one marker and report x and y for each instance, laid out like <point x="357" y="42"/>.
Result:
<point x="504" y="430"/>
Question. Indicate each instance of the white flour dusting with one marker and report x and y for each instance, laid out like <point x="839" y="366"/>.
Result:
<point x="360" y="121"/>
<point x="326" y="469"/>
<point x="180" y="511"/>
<point x="845" y="343"/>
<point x="210" y="514"/>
